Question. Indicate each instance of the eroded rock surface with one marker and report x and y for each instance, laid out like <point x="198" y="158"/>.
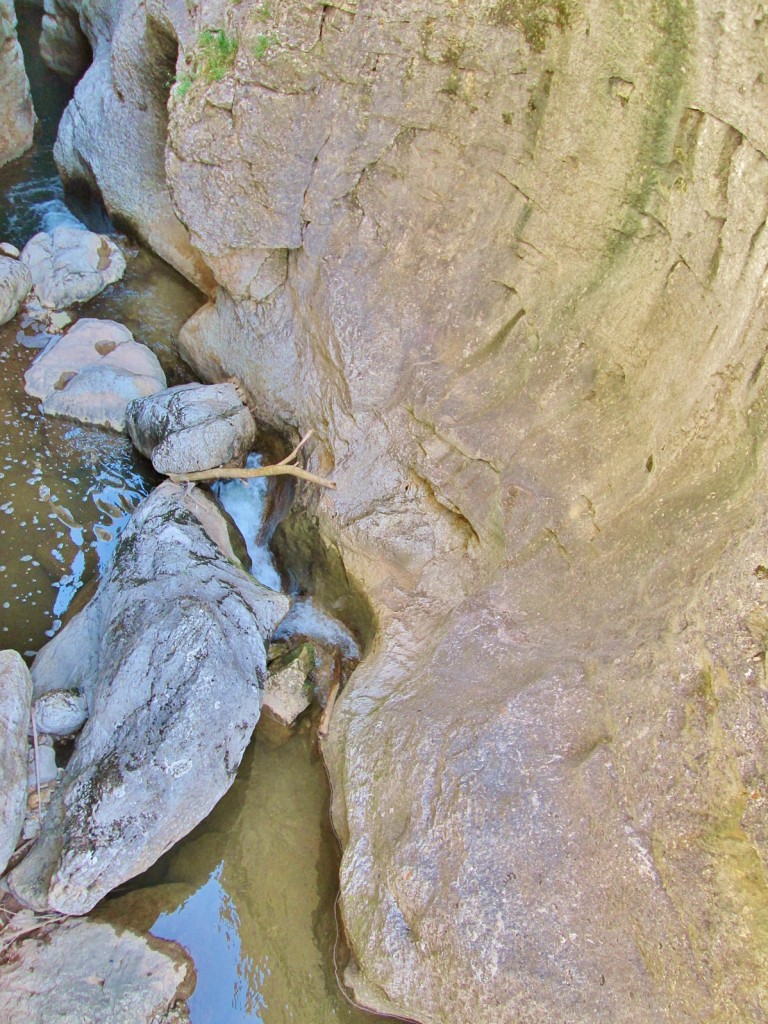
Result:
<point x="508" y="259"/>
<point x="70" y="265"/>
<point x="92" y="372"/>
<point x="17" y="115"/>
<point x="192" y="427"/>
<point x="82" y="972"/>
<point x="170" y="656"/>
<point x="15" y="703"/>
<point x="15" y="282"/>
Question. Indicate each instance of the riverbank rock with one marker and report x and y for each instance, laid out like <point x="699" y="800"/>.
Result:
<point x="17" y="114"/>
<point x="192" y="427"/>
<point x="508" y="260"/>
<point x="15" y="703"/>
<point x="15" y="282"/>
<point x="287" y="691"/>
<point x="170" y="656"/>
<point x="87" y="972"/>
<point x="71" y="265"/>
<point x="92" y="372"/>
<point x="60" y="712"/>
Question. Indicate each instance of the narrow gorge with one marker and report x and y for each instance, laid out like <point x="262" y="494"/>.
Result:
<point x="506" y="259"/>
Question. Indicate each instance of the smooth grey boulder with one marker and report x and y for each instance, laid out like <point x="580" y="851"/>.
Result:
<point x="15" y="702"/>
<point x="17" y="115"/>
<point x="71" y="264"/>
<point x="192" y="427"/>
<point x="170" y="656"/>
<point x="92" y="372"/>
<point x="15" y="282"/>
<point x="89" y="972"/>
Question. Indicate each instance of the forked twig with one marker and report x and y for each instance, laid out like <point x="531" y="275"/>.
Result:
<point x="281" y="468"/>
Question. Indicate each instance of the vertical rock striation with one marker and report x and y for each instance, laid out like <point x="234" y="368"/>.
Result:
<point x="508" y="259"/>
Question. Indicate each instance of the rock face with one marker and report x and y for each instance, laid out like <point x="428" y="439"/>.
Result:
<point x="87" y="971"/>
<point x="15" y="282"/>
<point x="92" y="372"/>
<point x="171" y="659"/>
<point x="192" y="427"/>
<point x="70" y="265"/>
<point x="17" y="115"/>
<point x="119" y="107"/>
<point x="508" y="259"/>
<point x="15" y="702"/>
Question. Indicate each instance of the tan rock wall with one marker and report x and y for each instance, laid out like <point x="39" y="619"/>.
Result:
<point x="508" y="260"/>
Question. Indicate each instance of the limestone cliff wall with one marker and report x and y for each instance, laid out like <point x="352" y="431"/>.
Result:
<point x="17" y="115"/>
<point x="508" y="258"/>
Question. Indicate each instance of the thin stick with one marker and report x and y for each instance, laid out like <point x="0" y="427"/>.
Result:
<point x="37" y="765"/>
<point x="237" y="474"/>
<point x="296" y="450"/>
<point x="325" y="721"/>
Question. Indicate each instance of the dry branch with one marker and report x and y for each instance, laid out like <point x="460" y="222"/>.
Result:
<point x="280" y="469"/>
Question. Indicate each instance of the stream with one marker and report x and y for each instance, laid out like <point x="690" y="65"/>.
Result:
<point x="251" y="892"/>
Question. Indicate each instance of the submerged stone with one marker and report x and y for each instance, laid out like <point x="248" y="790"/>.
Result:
<point x="170" y="656"/>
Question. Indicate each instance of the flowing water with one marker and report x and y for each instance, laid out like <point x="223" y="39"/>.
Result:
<point x="251" y="892"/>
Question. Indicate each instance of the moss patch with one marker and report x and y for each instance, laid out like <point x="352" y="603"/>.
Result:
<point x="534" y="18"/>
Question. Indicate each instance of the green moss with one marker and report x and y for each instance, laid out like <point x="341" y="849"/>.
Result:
<point x="659" y="146"/>
<point x="262" y="44"/>
<point x="534" y="18"/>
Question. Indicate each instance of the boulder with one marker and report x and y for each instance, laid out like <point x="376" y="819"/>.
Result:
<point x="15" y="282"/>
<point x="170" y="656"/>
<point x="287" y="691"/>
<point x="84" y="972"/>
<point x="92" y="372"/>
<point x="192" y="427"/>
<point x="71" y="264"/>
<point x="15" y="702"/>
<point x="17" y="114"/>
<point x="60" y="712"/>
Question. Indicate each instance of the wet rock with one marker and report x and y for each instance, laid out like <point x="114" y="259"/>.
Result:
<point x="170" y="655"/>
<point x="60" y="712"/>
<point x="84" y="972"/>
<point x="17" y="115"/>
<point x="287" y="691"/>
<point x="92" y="372"/>
<point x="70" y="265"/>
<point x="15" y="282"/>
<point x="192" y="427"/>
<point x="15" y="702"/>
<point x="119" y="107"/>
<point x="308" y="620"/>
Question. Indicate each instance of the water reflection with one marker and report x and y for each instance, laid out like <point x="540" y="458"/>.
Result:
<point x="250" y="893"/>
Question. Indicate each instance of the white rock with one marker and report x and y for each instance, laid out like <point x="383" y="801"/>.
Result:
<point x="83" y="972"/>
<point x="15" y="282"/>
<point x="60" y="712"/>
<point x="9" y="250"/>
<point x="285" y="692"/>
<point x="192" y="427"/>
<point x="92" y="372"/>
<point x="15" y="701"/>
<point x="71" y="264"/>
<point x="46" y="769"/>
